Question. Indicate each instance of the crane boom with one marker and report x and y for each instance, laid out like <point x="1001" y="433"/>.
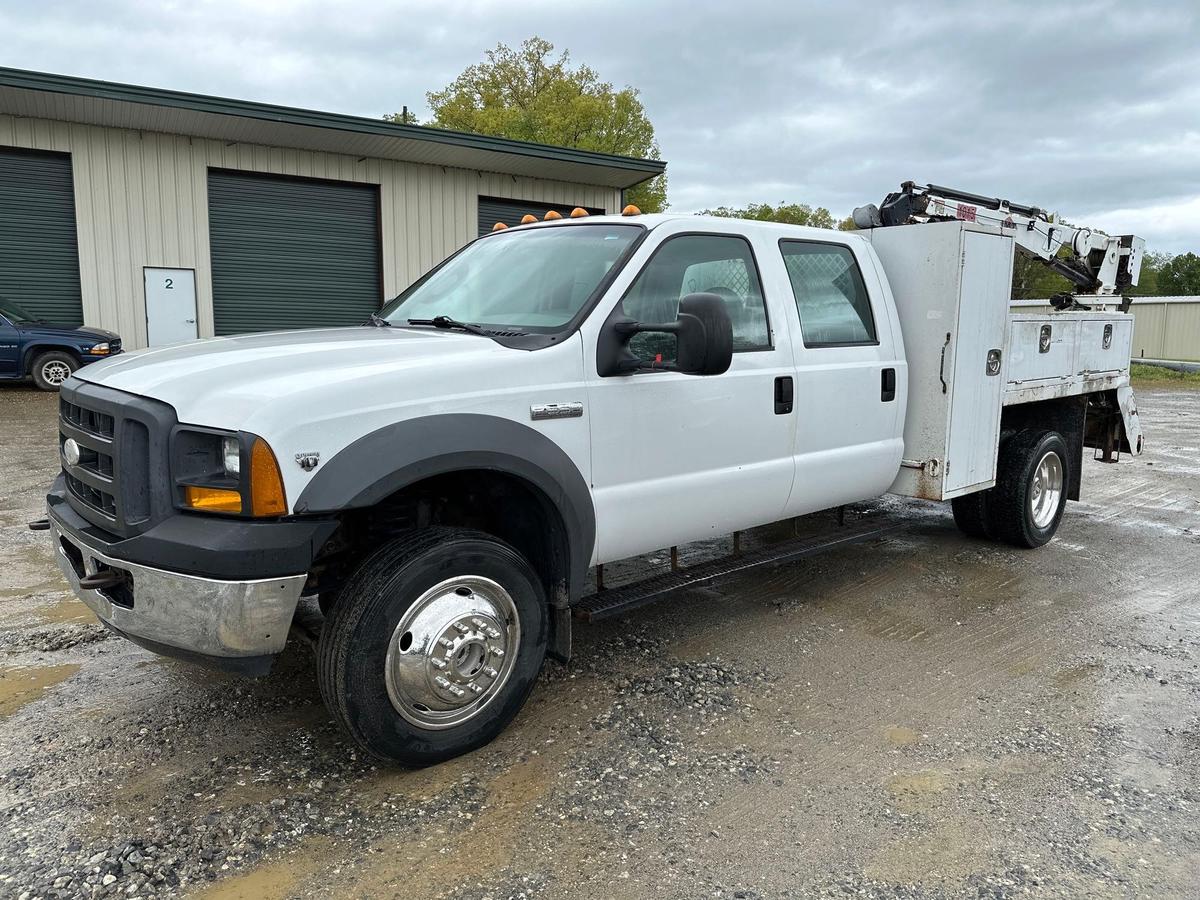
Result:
<point x="1099" y="265"/>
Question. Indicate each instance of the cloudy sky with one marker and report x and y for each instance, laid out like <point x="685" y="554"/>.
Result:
<point x="1091" y="109"/>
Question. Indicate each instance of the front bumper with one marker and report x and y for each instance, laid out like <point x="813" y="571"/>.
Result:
<point x="237" y="625"/>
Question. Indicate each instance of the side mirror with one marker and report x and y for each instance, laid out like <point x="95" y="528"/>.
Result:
<point x="703" y="339"/>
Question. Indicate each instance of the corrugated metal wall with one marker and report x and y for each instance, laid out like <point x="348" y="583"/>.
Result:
<point x="141" y="200"/>
<point x="1163" y="327"/>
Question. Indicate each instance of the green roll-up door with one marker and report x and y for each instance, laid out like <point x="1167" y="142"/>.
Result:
<point x="39" y="257"/>
<point x="292" y="252"/>
<point x="493" y="210"/>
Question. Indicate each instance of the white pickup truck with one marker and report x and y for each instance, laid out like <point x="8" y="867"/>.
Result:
<point x="553" y="397"/>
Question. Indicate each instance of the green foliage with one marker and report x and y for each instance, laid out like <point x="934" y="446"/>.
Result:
<point x="527" y="94"/>
<point x="1179" y="276"/>
<point x="1141" y="373"/>
<point x="790" y="213"/>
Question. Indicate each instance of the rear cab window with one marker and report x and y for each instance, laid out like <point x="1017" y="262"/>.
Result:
<point x="831" y="296"/>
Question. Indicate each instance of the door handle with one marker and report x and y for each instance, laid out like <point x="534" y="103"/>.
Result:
<point x="887" y="385"/>
<point x="783" y="395"/>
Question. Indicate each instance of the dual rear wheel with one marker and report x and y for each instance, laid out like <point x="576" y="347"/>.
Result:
<point x="1026" y="505"/>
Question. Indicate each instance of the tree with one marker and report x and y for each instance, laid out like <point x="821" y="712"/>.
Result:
<point x="790" y="213"/>
<point x="529" y="95"/>
<point x="1180" y="276"/>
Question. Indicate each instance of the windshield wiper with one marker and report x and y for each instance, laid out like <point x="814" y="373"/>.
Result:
<point x="379" y="321"/>
<point x="447" y="322"/>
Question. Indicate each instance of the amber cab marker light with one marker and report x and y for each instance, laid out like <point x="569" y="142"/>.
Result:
<point x="552" y="214"/>
<point x="266" y="484"/>
<point x="527" y="218"/>
<point x="631" y="210"/>
<point x="212" y="499"/>
<point x="499" y="226"/>
<point x="578" y="212"/>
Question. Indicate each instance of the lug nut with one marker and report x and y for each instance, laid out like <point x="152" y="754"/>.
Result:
<point x="490" y="672"/>
<point x="493" y="633"/>
<point x="446" y="642"/>
<point x="437" y="663"/>
<point x="497" y="652"/>
<point x="476" y="688"/>
<point x="479" y="623"/>
<point x="456" y="691"/>
<point x="461" y="628"/>
<point x="441" y="682"/>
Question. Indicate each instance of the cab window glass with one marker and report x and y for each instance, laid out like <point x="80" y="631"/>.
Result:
<point x="691" y="264"/>
<point x="830" y="294"/>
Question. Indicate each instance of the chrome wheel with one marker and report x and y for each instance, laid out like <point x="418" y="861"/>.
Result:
<point x="452" y="652"/>
<point x="55" y="372"/>
<point x="1045" y="494"/>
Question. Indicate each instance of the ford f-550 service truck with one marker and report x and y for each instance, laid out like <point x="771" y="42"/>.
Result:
<point x="565" y="393"/>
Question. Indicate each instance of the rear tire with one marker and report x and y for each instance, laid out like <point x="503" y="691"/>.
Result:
<point x="972" y="516"/>
<point x="51" y="369"/>
<point x="1027" y="503"/>
<point x="433" y="645"/>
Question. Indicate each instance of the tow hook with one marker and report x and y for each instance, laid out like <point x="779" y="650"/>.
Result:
<point x="108" y="578"/>
<point x="40" y="525"/>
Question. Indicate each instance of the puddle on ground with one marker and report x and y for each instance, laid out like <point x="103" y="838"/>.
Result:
<point x="20" y="686"/>
<point x="67" y="611"/>
<point x="272" y="881"/>
<point x="1074" y="675"/>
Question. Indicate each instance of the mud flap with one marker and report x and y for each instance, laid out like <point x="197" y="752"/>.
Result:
<point x="1132" y="430"/>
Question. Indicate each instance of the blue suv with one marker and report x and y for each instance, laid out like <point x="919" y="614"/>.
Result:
<point x="31" y="347"/>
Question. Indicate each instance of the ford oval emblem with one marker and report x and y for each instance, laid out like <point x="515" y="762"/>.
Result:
<point x="71" y="452"/>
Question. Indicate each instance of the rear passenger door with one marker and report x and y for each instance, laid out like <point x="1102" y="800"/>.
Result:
<point x="850" y="377"/>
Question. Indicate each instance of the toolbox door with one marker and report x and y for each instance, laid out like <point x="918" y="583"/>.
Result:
<point x="977" y="382"/>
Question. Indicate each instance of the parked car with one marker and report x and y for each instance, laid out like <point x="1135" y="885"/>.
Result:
<point x="34" y="348"/>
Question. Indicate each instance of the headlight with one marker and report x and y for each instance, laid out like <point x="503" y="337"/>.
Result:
<point x="100" y="349"/>
<point x="207" y="467"/>
<point x="231" y="456"/>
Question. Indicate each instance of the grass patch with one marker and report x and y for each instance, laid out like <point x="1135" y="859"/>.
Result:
<point x="1140" y="373"/>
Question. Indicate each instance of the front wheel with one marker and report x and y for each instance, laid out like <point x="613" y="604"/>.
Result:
<point x="433" y="645"/>
<point x="1026" y="505"/>
<point x="51" y="369"/>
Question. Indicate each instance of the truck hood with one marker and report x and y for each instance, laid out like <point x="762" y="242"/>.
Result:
<point x="226" y="380"/>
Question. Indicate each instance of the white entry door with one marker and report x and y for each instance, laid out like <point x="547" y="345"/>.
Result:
<point x="170" y="306"/>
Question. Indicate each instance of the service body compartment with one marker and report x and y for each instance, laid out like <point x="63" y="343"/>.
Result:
<point x="1059" y="354"/>
<point x="951" y="282"/>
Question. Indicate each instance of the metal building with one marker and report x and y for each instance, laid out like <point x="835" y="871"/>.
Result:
<point x="167" y="216"/>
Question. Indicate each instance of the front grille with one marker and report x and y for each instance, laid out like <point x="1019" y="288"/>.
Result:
<point x="90" y="420"/>
<point x="121" y="482"/>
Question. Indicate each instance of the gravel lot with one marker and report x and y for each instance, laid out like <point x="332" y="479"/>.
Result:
<point x="922" y="716"/>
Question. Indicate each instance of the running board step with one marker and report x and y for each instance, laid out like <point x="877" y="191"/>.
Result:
<point x="615" y="601"/>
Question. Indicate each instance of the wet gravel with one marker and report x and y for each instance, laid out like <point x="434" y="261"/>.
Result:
<point x="921" y="717"/>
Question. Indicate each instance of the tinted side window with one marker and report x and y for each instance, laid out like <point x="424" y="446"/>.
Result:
<point x="830" y="294"/>
<point x="695" y="263"/>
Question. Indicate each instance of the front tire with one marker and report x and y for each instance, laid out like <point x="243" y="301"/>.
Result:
<point x="1027" y="503"/>
<point x="51" y="369"/>
<point x="433" y="645"/>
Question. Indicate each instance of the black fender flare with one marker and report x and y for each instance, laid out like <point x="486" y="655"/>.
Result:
<point x="384" y="461"/>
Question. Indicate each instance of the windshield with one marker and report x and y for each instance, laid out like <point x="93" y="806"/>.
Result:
<point x="534" y="281"/>
<point x="15" y="313"/>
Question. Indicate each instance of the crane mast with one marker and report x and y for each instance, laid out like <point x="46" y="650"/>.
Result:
<point x="1099" y="265"/>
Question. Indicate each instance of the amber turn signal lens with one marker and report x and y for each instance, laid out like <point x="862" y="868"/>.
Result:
<point x="212" y="499"/>
<point x="527" y="218"/>
<point x="266" y="484"/>
<point x="552" y="214"/>
<point x="578" y="212"/>
<point x="631" y="210"/>
<point x="499" y="226"/>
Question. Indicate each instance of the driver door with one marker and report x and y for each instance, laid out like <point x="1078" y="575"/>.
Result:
<point x="10" y="349"/>
<point x="678" y="458"/>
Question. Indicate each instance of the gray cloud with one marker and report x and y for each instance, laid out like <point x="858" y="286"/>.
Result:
<point x="1092" y="110"/>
